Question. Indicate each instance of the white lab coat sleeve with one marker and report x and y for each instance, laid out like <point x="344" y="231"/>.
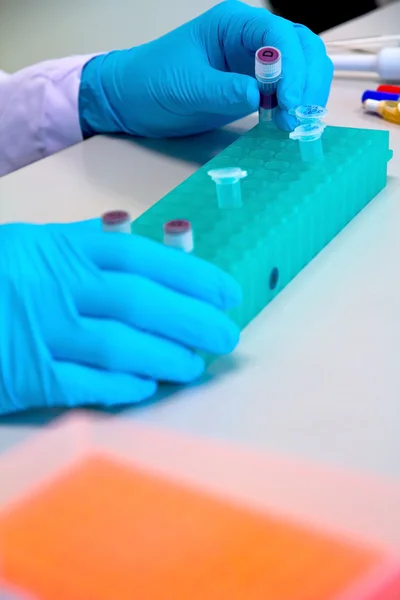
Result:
<point x="39" y="112"/>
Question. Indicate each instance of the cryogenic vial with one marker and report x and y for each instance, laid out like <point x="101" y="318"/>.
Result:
<point x="310" y="142"/>
<point x="179" y="234"/>
<point x="268" y="71"/>
<point x="116" y="221"/>
<point x="229" y="193"/>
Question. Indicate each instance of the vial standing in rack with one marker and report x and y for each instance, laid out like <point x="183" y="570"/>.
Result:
<point x="309" y="132"/>
<point x="116" y="221"/>
<point x="179" y="234"/>
<point x="310" y="141"/>
<point x="268" y="71"/>
<point x="227" y="181"/>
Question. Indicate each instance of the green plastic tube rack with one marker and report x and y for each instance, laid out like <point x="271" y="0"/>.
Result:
<point x="291" y="209"/>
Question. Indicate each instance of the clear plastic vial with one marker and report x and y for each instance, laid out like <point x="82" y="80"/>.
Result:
<point x="310" y="142"/>
<point x="309" y="132"/>
<point x="227" y="181"/>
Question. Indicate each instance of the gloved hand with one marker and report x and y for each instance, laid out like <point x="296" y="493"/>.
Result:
<point x="88" y="317"/>
<point x="201" y="75"/>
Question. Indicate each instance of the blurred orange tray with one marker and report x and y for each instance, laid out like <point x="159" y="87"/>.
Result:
<point x="114" y="513"/>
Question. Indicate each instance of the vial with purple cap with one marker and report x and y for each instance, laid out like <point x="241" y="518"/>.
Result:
<point x="268" y="71"/>
<point x="179" y="234"/>
<point x="116" y="221"/>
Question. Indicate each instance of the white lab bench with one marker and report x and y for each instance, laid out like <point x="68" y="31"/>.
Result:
<point x="316" y="374"/>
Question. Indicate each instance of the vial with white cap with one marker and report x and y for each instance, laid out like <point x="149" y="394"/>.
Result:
<point x="310" y="142"/>
<point x="387" y="109"/>
<point x="268" y="71"/>
<point x="116" y="221"/>
<point x="179" y="234"/>
<point x="229" y="193"/>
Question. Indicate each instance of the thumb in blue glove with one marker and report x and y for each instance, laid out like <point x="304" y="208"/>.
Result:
<point x="93" y="318"/>
<point x="201" y="76"/>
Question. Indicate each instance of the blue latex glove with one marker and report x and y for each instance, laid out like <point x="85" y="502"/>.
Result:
<point x="201" y="75"/>
<point x="88" y="317"/>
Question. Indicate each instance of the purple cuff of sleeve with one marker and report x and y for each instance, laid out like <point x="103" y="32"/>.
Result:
<point x="39" y="111"/>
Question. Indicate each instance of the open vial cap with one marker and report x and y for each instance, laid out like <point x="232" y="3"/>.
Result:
<point x="308" y="132"/>
<point x="308" y="112"/>
<point x="228" y="175"/>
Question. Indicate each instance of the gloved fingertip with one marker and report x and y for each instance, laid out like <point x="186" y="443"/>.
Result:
<point x="290" y="92"/>
<point x="237" y="95"/>
<point x="193" y="368"/>
<point x="231" y="294"/>
<point x="289" y="100"/>
<point x="253" y="95"/>
<point x="230" y="339"/>
<point x="285" y="121"/>
<point x="142" y="390"/>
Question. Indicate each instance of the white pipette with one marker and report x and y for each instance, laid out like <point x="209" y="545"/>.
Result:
<point x="365" y="44"/>
<point x="385" y="63"/>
